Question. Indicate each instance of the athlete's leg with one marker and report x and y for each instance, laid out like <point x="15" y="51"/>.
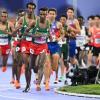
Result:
<point x="47" y="71"/>
<point x="27" y="72"/>
<point x="41" y="62"/>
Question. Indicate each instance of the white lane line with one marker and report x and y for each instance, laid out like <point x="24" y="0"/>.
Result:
<point x="5" y="89"/>
<point x="15" y="98"/>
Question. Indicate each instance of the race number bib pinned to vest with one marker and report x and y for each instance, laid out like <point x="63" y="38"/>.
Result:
<point x="80" y="40"/>
<point x="41" y="39"/>
<point x="97" y="40"/>
<point x="3" y="41"/>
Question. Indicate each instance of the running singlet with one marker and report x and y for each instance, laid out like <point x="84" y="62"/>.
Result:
<point x="4" y="38"/>
<point x="38" y="30"/>
<point x="96" y="38"/>
<point x="25" y="25"/>
<point x="72" y="24"/>
<point x="54" y="32"/>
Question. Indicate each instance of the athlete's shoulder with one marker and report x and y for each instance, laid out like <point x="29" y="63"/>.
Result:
<point x="37" y="17"/>
<point x="76" y="20"/>
<point x="12" y="20"/>
<point x="10" y="23"/>
<point x="20" y="20"/>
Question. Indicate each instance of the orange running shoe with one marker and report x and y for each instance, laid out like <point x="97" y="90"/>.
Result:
<point x="4" y="68"/>
<point x="17" y="84"/>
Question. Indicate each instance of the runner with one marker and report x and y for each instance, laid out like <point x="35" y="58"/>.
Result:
<point x="16" y="53"/>
<point x="73" y="29"/>
<point x="64" y="48"/>
<point x="91" y="24"/>
<point x="26" y="23"/>
<point x="6" y="28"/>
<point x="55" y="36"/>
<point x="39" y="49"/>
<point x="95" y="38"/>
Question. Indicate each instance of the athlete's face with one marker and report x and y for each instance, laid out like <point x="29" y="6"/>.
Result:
<point x="43" y="14"/>
<point x="52" y="15"/>
<point x="30" y="9"/>
<point x="63" y="20"/>
<point x="4" y="17"/>
<point x="91" y="22"/>
<point x="70" y="13"/>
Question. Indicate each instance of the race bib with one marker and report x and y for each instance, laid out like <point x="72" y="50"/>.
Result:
<point x="3" y="41"/>
<point x="97" y="41"/>
<point x="40" y="40"/>
<point x="80" y="41"/>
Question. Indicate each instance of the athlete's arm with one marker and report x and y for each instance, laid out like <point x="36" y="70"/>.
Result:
<point x="62" y="32"/>
<point x="30" y="26"/>
<point x="75" y="30"/>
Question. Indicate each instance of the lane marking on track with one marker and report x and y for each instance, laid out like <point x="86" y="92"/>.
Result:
<point x="15" y="98"/>
<point x="9" y="97"/>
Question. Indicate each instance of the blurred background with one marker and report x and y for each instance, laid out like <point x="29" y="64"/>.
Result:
<point x="83" y="7"/>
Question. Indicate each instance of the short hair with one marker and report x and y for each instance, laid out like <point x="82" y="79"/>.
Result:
<point x="97" y="16"/>
<point x="52" y="9"/>
<point x="4" y="11"/>
<point x="81" y="17"/>
<point x="63" y="16"/>
<point x="43" y="9"/>
<point x="31" y="3"/>
<point x="20" y="11"/>
<point x="91" y="17"/>
<point x="70" y="8"/>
